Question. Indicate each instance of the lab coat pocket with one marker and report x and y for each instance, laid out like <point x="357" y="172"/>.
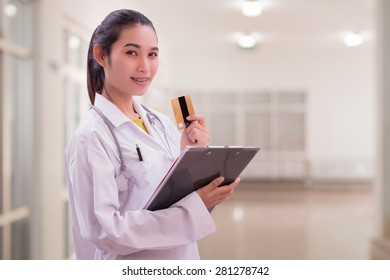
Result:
<point x="141" y="174"/>
<point x="142" y="178"/>
<point x="127" y="179"/>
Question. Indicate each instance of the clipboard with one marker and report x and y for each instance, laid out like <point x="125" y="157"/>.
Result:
<point x="197" y="167"/>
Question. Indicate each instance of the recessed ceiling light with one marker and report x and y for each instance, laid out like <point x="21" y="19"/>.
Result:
<point x="10" y="10"/>
<point x="252" y="8"/>
<point x="353" y="39"/>
<point x="247" y="41"/>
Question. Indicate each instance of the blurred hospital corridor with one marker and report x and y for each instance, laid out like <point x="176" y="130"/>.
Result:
<point x="306" y="81"/>
<point x="274" y="221"/>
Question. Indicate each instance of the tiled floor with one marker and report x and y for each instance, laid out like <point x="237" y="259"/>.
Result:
<point x="291" y="222"/>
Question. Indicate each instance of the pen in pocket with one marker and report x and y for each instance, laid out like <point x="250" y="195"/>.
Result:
<point x="139" y="153"/>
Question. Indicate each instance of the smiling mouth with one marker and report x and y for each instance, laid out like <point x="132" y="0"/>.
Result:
<point x="140" y="80"/>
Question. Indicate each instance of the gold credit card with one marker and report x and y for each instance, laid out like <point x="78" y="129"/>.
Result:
<point x="182" y="108"/>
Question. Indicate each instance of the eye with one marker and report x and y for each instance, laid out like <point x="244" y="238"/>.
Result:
<point x="131" y="53"/>
<point x="154" y="54"/>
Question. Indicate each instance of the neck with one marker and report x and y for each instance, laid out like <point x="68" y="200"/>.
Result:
<point x="125" y="104"/>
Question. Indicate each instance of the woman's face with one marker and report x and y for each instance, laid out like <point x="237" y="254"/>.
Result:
<point x="133" y="61"/>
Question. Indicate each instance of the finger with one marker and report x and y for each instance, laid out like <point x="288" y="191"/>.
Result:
<point x="200" y="140"/>
<point x="223" y="191"/>
<point x="228" y="189"/>
<point x="222" y="199"/>
<point x="233" y="184"/>
<point x="197" y="117"/>
<point x="198" y="133"/>
<point x="236" y="182"/>
<point x="215" y="183"/>
<point x="197" y="125"/>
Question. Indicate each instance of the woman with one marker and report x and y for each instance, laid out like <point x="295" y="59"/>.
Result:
<point x="109" y="183"/>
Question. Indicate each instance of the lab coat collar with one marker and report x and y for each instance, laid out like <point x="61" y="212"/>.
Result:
<point x="158" y="137"/>
<point x="143" y="113"/>
<point x="139" y="109"/>
<point x="112" y="113"/>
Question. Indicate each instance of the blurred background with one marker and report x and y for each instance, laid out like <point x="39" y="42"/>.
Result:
<point x="298" y="78"/>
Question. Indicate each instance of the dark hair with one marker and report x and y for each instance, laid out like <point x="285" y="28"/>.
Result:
<point x="105" y="35"/>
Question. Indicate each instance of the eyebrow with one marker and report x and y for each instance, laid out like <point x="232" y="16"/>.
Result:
<point x="138" y="46"/>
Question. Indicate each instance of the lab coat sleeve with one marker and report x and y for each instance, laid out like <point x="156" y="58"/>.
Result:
<point x="97" y="206"/>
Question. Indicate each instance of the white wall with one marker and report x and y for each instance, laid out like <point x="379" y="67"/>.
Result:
<point x="340" y="87"/>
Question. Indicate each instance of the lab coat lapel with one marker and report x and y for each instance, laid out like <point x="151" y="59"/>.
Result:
<point x="151" y="129"/>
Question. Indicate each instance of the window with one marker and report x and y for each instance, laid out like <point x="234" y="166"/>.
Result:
<point x="16" y="128"/>
<point x="275" y="121"/>
<point x="19" y="16"/>
<point x="21" y="127"/>
<point x="75" y="50"/>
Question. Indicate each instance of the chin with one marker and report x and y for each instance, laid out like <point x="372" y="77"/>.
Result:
<point x="139" y="93"/>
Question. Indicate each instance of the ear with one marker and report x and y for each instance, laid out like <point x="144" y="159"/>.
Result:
<point x="99" y="56"/>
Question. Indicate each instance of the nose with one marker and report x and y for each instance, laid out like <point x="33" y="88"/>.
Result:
<point x="143" y="65"/>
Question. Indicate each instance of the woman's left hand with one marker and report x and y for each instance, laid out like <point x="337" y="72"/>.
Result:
<point x="196" y="134"/>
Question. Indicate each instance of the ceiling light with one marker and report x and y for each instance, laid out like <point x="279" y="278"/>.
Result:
<point x="252" y="8"/>
<point x="10" y="10"/>
<point x="353" y="39"/>
<point x="247" y="41"/>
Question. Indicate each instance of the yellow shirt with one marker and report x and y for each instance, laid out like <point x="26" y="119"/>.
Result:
<point x="140" y="124"/>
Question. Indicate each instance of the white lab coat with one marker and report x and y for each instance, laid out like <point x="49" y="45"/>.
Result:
<point x="108" y="220"/>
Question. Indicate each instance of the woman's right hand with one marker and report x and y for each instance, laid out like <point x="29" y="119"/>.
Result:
<point x="213" y="195"/>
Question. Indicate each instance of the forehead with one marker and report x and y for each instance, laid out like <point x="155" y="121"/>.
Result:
<point x="142" y="35"/>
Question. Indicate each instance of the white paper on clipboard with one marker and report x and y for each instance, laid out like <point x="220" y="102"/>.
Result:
<point x="198" y="166"/>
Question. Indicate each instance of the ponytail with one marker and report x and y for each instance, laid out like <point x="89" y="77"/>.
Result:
<point x="95" y="73"/>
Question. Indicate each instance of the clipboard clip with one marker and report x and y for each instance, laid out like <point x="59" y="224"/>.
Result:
<point x="236" y="154"/>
